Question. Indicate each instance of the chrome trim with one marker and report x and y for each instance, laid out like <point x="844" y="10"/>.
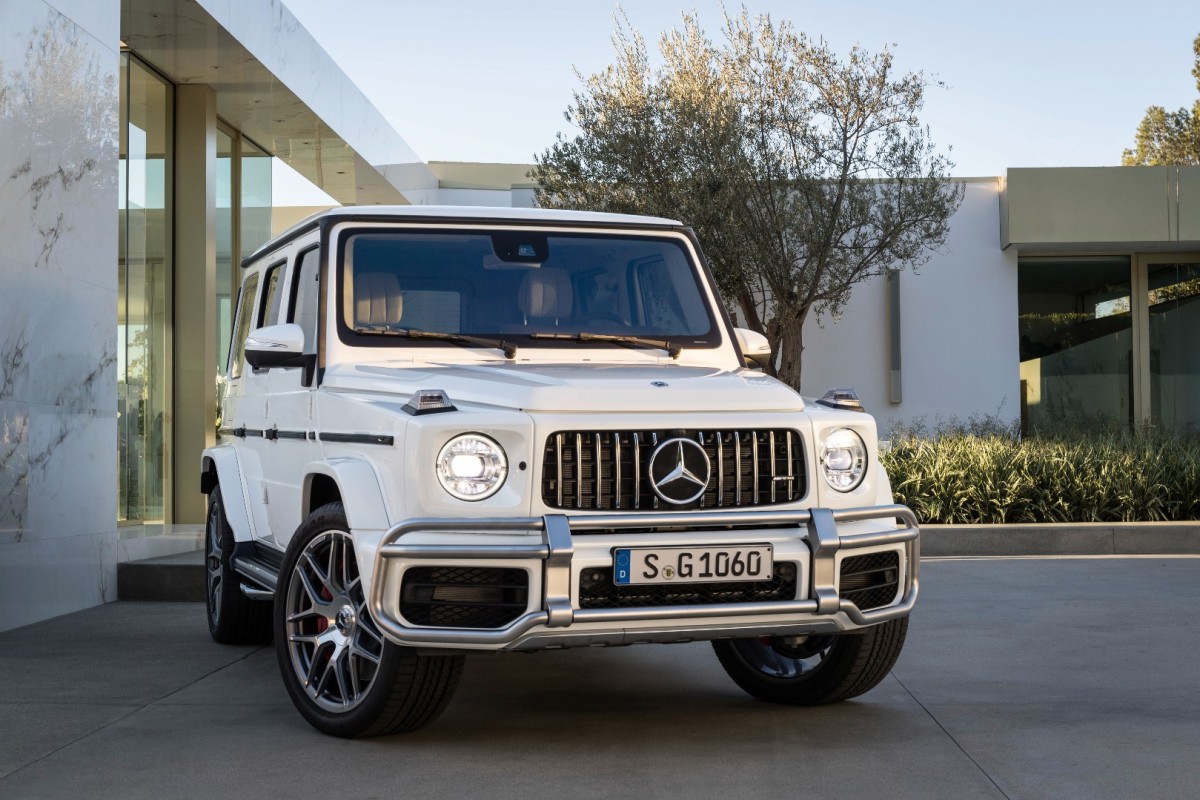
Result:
<point x="637" y="470"/>
<point x="556" y="551"/>
<point x="754" y="457"/>
<point x="823" y="537"/>
<point x="558" y="449"/>
<point x="254" y="593"/>
<point x="720" y="469"/>
<point x="617" y="462"/>
<point x="579" y="470"/>
<point x="558" y="571"/>
<point x="255" y="572"/>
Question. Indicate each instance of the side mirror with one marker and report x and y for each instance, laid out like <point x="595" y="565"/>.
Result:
<point x="755" y="347"/>
<point x="276" y="346"/>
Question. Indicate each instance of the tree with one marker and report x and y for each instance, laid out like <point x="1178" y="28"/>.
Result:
<point x="801" y="172"/>
<point x="1168" y="137"/>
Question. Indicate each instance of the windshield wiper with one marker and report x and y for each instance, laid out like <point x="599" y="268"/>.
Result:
<point x="583" y="336"/>
<point x="510" y="349"/>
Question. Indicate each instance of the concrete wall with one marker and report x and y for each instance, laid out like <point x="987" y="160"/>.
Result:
<point x="1101" y="208"/>
<point x="58" y="191"/>
<point x="959" y="340"/>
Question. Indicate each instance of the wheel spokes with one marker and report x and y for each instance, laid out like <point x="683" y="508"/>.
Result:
<point x="335" y="654"/>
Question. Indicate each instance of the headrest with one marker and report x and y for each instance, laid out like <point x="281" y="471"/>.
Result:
<point x="546" y="292"/>
<point x="377" y="299"/>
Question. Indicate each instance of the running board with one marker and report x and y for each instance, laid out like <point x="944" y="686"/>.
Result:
<point x="254" y="593"/>
<point x="262" y="577"/>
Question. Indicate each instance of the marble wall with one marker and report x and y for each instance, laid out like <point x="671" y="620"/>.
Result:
<point x="59" y="65"/>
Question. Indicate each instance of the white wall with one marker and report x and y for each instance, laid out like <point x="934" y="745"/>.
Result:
<point x="502" y="198"/>
<point x="959" y="339"/>
<point x="58" y="273"/>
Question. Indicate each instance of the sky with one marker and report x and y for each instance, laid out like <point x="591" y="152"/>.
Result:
<point x="1029" y="84"/>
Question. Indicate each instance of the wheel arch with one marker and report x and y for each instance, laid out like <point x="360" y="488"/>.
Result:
<point x="219" y="466"/>
<point x="352" y="481"/>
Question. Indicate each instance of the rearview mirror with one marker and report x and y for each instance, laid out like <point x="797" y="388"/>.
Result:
<point x="754" y="346"/>
<point x="276" y="346"/>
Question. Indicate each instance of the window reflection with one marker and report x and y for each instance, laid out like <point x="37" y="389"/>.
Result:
<point x="1076" y="341"/>
<point x="143" y="310"/>
<point x="1173" y="295"/>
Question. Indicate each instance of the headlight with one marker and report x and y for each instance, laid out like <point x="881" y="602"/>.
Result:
<point x="843" y="460"/>
<point x="472" y="467"/>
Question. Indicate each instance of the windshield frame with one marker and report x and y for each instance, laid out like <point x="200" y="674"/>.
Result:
<point x="716" y="336"/>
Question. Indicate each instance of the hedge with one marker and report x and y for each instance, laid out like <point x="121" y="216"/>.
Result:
<point x="999" y="477"/>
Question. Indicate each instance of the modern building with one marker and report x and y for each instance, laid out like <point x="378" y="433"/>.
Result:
<point x="1060" y="293"/>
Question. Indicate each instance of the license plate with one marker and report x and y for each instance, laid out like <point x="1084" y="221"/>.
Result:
<point x="640" y="565"/>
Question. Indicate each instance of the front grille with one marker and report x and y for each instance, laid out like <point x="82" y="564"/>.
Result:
<point x="597" y="590"/>
<point x="463" y="597"/>
<point x="609" y="470"/>
<point x="870" y="581"/>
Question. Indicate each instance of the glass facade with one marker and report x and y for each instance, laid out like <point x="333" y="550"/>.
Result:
<point x="1076" y="341"/>
<point x="144" y="292"/>
<point x="243" y="221"/>
<point x="226" y="266"/>
<point x="1110" y="340"/>
<point x="254" y="177"/>
<point x="1173" y="301"/>
<point x="145" y="324"/>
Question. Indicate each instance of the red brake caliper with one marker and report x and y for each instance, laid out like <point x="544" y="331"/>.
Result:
<point x="322" y="623"/>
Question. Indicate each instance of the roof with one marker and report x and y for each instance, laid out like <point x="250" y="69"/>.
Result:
<point x="463" y="213"/>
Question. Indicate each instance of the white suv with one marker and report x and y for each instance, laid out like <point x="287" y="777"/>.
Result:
<point x="452" y="431"/>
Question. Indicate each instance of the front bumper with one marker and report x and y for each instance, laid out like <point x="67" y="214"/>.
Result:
<point x="554" y="542"/>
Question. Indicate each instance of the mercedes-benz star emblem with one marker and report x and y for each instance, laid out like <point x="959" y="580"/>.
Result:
<point x="679" y="471"/>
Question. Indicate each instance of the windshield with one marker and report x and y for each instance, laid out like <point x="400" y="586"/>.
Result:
<point x="513" y="285"/>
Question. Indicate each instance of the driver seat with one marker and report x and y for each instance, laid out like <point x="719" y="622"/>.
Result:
<point x="545" y="295"/>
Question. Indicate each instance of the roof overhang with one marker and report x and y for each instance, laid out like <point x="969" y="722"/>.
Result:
<point x="1101" y="209"/>
<point x="276" y="85"/>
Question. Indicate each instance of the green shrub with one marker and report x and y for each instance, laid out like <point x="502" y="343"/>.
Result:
<point x="962" y="477"/>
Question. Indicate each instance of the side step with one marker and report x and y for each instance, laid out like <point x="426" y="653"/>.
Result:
<point x="260" y="567"/>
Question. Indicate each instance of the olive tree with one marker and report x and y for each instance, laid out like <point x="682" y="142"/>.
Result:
<point x="802" y="172"/>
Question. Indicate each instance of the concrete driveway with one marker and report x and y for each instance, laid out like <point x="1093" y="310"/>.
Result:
<point x="1022" y="678"/>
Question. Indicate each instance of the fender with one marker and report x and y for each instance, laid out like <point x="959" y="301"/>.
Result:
<point x="359" y="487"/>
<point x="224" y="461"/>
<point x="366" y="512"/>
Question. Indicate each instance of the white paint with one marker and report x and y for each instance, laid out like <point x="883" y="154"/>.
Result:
<point x="959" y="339"/>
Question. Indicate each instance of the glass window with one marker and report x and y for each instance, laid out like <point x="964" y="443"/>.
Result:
<point x="255" y="197"/>
<point x="227" y="267"/>
<point x="1076" y="341"/>
<point x="245" y="314"/>
<point x="143" y="279"/>
<point x="269" y="313"/>
<point x="1173" y="298"/>
<point x="305" y="291"/>
<point x="517" y="283"/>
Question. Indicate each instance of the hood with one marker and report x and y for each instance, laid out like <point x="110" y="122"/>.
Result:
<point x="574" y="388"/>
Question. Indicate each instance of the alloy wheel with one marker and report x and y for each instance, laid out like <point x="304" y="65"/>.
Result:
<point x="333" y="644"/>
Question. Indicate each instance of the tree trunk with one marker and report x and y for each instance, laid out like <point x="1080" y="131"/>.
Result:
<point x="791" y="346"/>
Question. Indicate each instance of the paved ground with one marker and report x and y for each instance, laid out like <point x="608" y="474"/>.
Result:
<point x="1022" y="678"/>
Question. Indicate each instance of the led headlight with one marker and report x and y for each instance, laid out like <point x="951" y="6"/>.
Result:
<point x="843" y="459"/>
<point x="472" y="467"/>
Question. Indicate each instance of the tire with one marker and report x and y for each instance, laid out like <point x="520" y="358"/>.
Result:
<point x="233" y="618"/>
<point x="822" y="669"/>
<point x="344" y="677"/>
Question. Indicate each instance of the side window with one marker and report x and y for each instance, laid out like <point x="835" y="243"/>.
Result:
<point x="242" y="329"/>
<point x="304" y="297"/>
<point x="269" y="313"/>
